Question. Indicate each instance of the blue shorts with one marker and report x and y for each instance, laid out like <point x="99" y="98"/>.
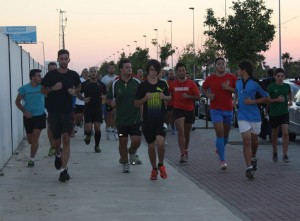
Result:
<point x="218" y="116"/>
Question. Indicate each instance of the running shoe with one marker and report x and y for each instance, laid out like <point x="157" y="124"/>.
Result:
<point x="64" y="176"/>
<point x="275" y="157"/>
<point x="154" y="174"/>
<point x="163" y="173"/>
<point x="75" y="129"/>
<point x="186" y="153"/>
<point x="51" y="152"/>
<point x="183" y="159"/>
<point x="126" y="167"/>
<point x="97" y="149"/>
<point x="137" y="160"/>
<point x="249" y="173"/>
<point x="132" y="158"/>
<point x="254" y="163"/>
<point x="116" y="136"/>
<point x="108" y="133"/>
<point x="30" y="163"/>
<point x="57" y="162"/>
<point x="285" y="159"/>
<point x="223" y="165"/>
<point x="87" y="139"/>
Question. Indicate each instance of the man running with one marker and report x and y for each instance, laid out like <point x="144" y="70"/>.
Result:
<point x="93" y="91"/>
<point x="121" y="95"/>
<point x="60" y="86"/>
<point x="109" y="114"/>
<point x="249" y="118"/>
<point x="280" y="99"/>
<point x="51" y="66"/>
<point x="184" y="93"/>
<point x="152" y="94"/>
<point x="219" y="87"/>
<point x="33" y="111"/>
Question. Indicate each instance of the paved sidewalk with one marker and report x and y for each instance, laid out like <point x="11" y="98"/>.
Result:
<point x="98" y="190"/>
<point x="273" y="195"/>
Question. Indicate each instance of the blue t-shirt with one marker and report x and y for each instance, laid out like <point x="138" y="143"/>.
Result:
<point x="33" y="98"/>
<point x="244" y="90"/>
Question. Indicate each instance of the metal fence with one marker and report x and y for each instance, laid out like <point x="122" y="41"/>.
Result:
<point x="15" y="64"/>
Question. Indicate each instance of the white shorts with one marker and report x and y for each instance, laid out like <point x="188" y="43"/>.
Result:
<point x="244" y="126"/>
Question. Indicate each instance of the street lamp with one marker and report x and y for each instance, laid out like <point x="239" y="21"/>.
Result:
<point x="114" y="57"/>
<point x="155" y="29"/>
<point x="194" y="68"/>
<point x="145" y="36"/>
<point x="170" y="21"/>
<point x="279" y="30"/>
<point x="135" y="44"/>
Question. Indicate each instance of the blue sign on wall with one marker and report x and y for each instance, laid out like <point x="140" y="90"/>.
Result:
<point x="20" y="34"/>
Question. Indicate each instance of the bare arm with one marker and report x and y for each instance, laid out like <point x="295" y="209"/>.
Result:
<point x="21" y="107"/>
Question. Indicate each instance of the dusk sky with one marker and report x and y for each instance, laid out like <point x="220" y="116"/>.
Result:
<point x="97" y="29"/>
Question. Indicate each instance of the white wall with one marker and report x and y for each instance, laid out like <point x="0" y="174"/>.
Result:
<point x="15" y="64"/>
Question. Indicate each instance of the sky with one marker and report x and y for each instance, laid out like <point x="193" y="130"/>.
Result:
<point x="97" y="29"/>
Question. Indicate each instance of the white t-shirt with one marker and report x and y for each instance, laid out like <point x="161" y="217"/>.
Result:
<point x="78" y="101"/>
<point x="107" y="80"/>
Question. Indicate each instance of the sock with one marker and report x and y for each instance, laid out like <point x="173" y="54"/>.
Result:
<point x="97" y="137"/>
<point x="220" y="147"/>
<point x="32" y="158"/>
<point x="225" y="140"/>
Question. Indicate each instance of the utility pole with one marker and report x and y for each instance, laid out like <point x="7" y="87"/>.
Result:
<point x="280" y="61"/>
<point x="156" y="42"/>
<point x="62" y="26"/>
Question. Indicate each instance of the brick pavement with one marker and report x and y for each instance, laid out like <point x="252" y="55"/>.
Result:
<point x="273" y="195"/>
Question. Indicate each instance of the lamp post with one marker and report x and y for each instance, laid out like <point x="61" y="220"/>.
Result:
<point x="114" y="58"/>
<point x="43" y="56"/>
<point x="155" y="29"/>
<point x="194" y="68"/>
<point x="279" y="30"/>
<point x="170" y="21"/>
<point x="145" y="36"/>
<point x="128" y="49"/>
<point x="135" y="44"/>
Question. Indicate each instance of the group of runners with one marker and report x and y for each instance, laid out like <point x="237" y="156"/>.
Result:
<point x="133" y="105"/>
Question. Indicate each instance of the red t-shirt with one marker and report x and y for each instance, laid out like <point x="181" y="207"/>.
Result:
<point x="223" y="98"/>
<point x="177" y="89"/>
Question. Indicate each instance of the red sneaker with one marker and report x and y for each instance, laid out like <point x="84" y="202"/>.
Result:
<point x="163" y="173"/>
<point x="154" y="174"/>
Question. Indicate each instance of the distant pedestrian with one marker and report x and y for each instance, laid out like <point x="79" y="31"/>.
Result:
<point x="219" y="88"/>
<point x="93" y="91"/>
<point x="152" y="94"/>
<point x="184" y="93"/>
<point x="249" y="118"/>
<point x="60" y="86"/>
<point x="280" y="98"/>
<point x="121" y="96"/>
<point x="33" y="111"/>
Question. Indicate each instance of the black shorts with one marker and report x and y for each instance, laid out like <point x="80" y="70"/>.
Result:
<point x="132" y="130"/>
<point x="189" y="116"/>
<point x="36" y="122"/>
<point x="92" y="115"/>
<point x="169" y="108"/>
<point x="153" y="128"/>
<point x="79" y="109"/>
<point x="279" y="120"/>
<point x="61" y="123"/>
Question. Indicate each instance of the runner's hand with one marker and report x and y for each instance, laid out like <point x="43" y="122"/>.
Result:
<point x="280" y="99"/>
<point x="27" y="114"/>
<point x="148" y="96"/>
<point x="57" y="86"/>
<point x="211" y="96"/>
<point x="71" y="91"/>
<point x="87" y="100"/>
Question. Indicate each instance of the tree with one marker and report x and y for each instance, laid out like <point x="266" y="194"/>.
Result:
<point x="165" y="52"/>
<point x="139" y="59"/>
<point x="245" y="34"/>
<point x="187" y="57"/>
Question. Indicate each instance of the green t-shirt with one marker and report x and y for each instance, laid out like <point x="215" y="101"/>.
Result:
<point x="124" y="95"/>
<point x="275" y="90"/>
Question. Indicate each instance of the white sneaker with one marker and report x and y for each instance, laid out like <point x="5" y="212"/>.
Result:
<point x="132" y="159"/>
<point x="126" y="168"/>
<point x="223" y="165"/>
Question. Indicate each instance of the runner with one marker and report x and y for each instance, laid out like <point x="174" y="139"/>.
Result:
<point x="79" y="104"/>
<point x="93" y="91"/>
<point x="249" y="118"/>
<point x="60" y="86"/>
<point x="121" y="95"/>
<point x="219" y="87"/>
<point x="33" y="111"/>
<point x="152" y="94"/>
<point x="184" y="93"/>
<point x="51" y="66"/>
<point x="109" y="112"/>
<point x="280" y="99"/>
<point x="170" y="118"/>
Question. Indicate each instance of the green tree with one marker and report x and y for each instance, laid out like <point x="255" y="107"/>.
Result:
<point x="244" y="34"/>
<point x="187" y="57"/>
<point x="139" y="59"/>
<point x="165" y="52"/>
